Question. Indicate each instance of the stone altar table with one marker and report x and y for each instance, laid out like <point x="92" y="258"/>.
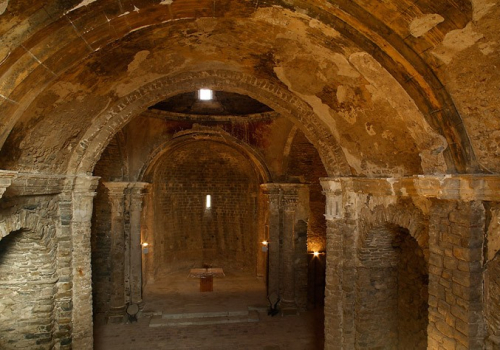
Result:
<point x="206" y="276"/>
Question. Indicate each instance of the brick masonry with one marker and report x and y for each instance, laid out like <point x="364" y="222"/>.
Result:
<point x="187" y="233"/>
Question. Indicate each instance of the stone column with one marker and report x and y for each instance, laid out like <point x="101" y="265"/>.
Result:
<point x="262" y="236"/>
<point x="137" y="191"/>
<point x="290" y="198"/>
<point x="350" y="234"/>
<point x="272" y="192"/>
<point x="6" y="180"/>
<point x="82" y="203"/>
<point x="334" y="264"/>
<point x="148" y="269"/>
<point x="117" y="197"/>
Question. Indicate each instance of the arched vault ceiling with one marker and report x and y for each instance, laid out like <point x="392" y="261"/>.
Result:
<point x="371" y="73"/>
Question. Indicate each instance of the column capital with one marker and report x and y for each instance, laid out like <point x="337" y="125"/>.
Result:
<point x="270" y="188"/>
<point x="139" y="188"/>
<point x="290" y="202"/>
<point x="272" y="192"/>
<point x="286" y="188"/>
<point x="85" y="184"/>
<point x="115" y="188"/>
<point x="6" y="178"/>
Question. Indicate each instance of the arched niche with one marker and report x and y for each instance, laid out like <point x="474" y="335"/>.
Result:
<point x="27" y="285"/>
<point x="391" y="290"/>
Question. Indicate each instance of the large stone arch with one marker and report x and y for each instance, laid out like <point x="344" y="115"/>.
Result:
<point x="404" y="215"/>
<point x="392" y="279"/>
<point x="24" y="219"/>
<point x="183" y="138"/>
<point x="278" y="98"/>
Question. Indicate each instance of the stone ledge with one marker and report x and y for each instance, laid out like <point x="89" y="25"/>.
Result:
<point x="27" y="184"/>
<point x="454" y="187"/>
<point x="6" y="178"/>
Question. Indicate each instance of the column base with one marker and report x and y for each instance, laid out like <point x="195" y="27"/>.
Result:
<point x="116" y="315"/>
<point x="289" y="308"/>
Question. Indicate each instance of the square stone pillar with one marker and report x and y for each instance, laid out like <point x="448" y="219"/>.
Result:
<point x="263" y="236"/>
<point x="82" y="204"/>
<point x="288" y="203"/>
<point x="116" y="193"/>
<point x="455" y="275"/>
<point x="341" y="220"/>
<point x="272" y="192"/>
<point x="147" y="235"/>
<point x="137" y="191"/>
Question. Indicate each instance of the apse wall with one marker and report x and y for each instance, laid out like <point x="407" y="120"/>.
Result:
<point x="187" y="232"/>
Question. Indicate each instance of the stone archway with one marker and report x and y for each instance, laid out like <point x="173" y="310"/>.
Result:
<point x="28" y="280"/>
<point x="391" y="290"/>
<point x="276" y="97"/>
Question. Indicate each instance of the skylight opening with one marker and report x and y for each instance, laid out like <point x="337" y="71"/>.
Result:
<point x="205" y="94"/>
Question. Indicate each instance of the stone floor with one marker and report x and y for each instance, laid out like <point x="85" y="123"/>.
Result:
<point x="177" y="295"/>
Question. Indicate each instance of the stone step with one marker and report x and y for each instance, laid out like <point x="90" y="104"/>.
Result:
<point x="203" y="318"/>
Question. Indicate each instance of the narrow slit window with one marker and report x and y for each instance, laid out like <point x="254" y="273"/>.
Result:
<point x="205" y="94"/>
<point x="208" y="202"/>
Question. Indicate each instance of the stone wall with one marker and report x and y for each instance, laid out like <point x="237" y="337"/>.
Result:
<point x="377" y="292"/>
<point x="492" y="277"/>
<point x="492" y="293"/>
<point x="36" y="278"/>
<point x="413" y="285"/>
<point x="27" y="289"/>
<point x="453" y="224"/>
<point x="187" y="233"/>
<point x="391" y="303"/>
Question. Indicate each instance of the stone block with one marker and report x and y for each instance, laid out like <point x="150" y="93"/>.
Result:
<point x="436" y="260"/>
<point x="450" y="263"/>
<point x="463" y="266"/>
<point x="461" y="253"/>
<point x="461" y="291"/>
<point x="460" y="313"/>
<point x="445" y="329"/>
<point x="448" y="343"/>
<point x="452" y="238"/>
